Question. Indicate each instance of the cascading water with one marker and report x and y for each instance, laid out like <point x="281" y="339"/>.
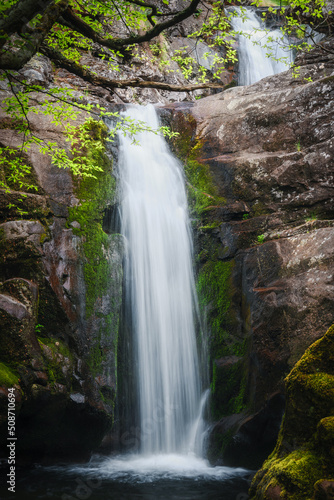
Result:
<point x="160" y="287"/>
<point x="253" y="46"/>
<point x="159" y="277"/>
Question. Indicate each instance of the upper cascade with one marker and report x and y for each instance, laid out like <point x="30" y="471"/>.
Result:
<point x="254" y="46"/>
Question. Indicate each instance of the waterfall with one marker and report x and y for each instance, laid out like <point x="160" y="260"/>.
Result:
<point x="254" y="44"/>
<point x="160" y="289"/>
<point x="160" y="293"/>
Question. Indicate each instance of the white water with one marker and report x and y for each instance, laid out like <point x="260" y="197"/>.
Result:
<point x="152" y="468"/>
<point x="159" y="277"/>
<point x="253" y="62"/>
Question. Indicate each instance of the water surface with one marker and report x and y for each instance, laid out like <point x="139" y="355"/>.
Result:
<point x="160" y="477"/>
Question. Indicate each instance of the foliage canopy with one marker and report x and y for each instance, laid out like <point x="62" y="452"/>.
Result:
<point x="113" y="31"/>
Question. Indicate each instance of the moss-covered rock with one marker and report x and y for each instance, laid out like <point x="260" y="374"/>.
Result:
<point x="8" y="378"/>
<point x="303" y="458"/>
<point x="102" y="271"/>
<point x="59" y="305"/>
<point x="203" y="193"/>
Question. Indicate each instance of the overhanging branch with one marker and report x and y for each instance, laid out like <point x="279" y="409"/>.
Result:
<point x="110" y="84"/>
<point x="79" y="25"/>
<point x="12" y="59"/>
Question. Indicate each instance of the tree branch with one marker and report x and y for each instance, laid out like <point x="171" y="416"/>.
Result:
<point x="154" y="10"/>
<point x="19" y="15"/>
<point x="12" y="59"/>
<point x="110" y="84"/>
<point x="80" y="26"/>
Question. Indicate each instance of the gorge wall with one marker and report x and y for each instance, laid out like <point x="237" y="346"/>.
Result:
<point x="61" y="290"/>
<point x="259" y="163"/>
<point x="61" y="263"/>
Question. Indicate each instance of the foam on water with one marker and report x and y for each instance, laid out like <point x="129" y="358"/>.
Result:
<point x="153" y="468"/>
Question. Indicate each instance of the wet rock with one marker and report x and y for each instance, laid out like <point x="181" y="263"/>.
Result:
<point x="77" y="398"/>
<point x="38" y="71"/>
<point x="266" y="262"/>
<point x="324" y="490"/>
<point x="18" y="311"/>
<point x="31" y="231"/>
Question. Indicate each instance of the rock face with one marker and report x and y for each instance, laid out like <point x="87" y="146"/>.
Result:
<point x="60" y="298"/>
<point x="260" y="165"/>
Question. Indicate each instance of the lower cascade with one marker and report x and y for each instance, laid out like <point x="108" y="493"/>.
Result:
<point x="160" y="289"/>
<point x="255" y="44"/>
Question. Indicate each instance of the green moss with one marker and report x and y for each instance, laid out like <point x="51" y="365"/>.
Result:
<point x="214" y="291"/>
<point x="228" y="389"/>
<point x="297" y="473"/>
<point x="228" y="383"/>
<point x="321" y="383"/>
<point x="57" y="346"/>
<point x="183" y="142"/>
<point x="54" y="352"/>
<point x="304" y="451"/>
<point x="96" y="357"/>
<point x="94" y="195"/>
<point x="258" y="209"/>
<point x="44" y="236"/>
<point x="7" y="377"/>
<point x="202" y="190"/>
<point x="207" y="227"/>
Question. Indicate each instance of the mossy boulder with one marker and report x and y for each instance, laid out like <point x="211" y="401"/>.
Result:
<point x="302" y="464"/>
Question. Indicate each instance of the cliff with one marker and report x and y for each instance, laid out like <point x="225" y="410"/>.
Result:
<point x="60" y="298"/>
<point x="259" y="163"/>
